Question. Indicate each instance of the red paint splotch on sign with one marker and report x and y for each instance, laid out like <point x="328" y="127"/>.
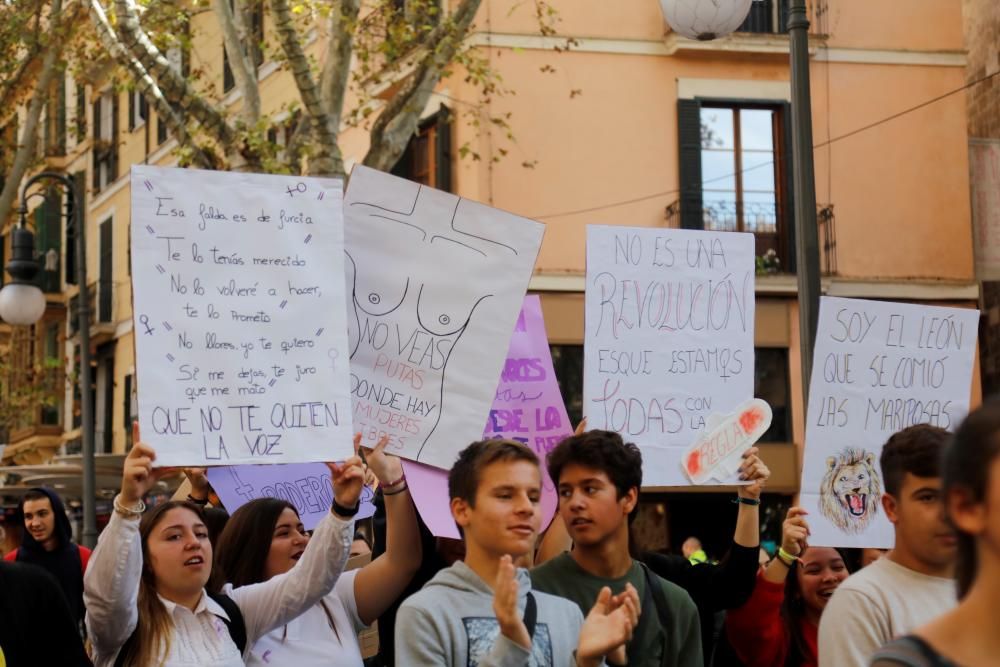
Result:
<point x="750" y="420"/>
<point x="694" y="463"/>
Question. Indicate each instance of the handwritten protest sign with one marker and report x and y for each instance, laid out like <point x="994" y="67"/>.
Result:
<point x="238" y="286"/>
<point x="718" y="451"/>
<point x="878" y="368"/>
<point x="436" y="283"/>
<point x="304" y="485"/>
<point x="527" y="407"/>
<point x="669" y="337"/>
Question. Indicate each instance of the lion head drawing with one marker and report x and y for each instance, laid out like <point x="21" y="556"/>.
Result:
<point x="850" y="493"/>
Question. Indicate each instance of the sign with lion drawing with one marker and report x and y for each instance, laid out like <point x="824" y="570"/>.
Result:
<point x="878" y="367"/>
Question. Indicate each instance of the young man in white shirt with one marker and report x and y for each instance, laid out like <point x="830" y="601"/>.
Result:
<point x="914" y="582"/>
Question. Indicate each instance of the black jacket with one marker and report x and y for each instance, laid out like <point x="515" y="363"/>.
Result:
<point x="36" y="627"/>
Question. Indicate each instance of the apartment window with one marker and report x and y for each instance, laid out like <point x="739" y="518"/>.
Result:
<point x="254" y="47"/>
<point x="138" y="110"/>
<point x="105" y="133"/>
<point x="180" y="62"/>
<point x="104" y="393"/>
<point x="48" y="240"/>
<point x="52" y="414"/>
<point x="427" y="158"/>
<point x="105" y="271"/>
<point x="80" y="190"/>
<point x="567" y="362"/>
<point x="80" y="119"/>
<point x="735" y="171"/>
<point x="771" y="383"/>
<point x="766" y="17"/>
<point x="54" y="129"/>
<point x="279" y="135"/>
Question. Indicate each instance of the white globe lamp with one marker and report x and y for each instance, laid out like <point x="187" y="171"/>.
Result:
<point x="21" y="302"/>
<point x="705" y="19"/>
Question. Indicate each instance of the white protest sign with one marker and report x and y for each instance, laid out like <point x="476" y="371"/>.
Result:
<point x="669" y="337"/>
<point x="718" y="451"/>
<point x="878" y="368"/>
<point x="436" y="285"/>
<point x="239" y="310"/>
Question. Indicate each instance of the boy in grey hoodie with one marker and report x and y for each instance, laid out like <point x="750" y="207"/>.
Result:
<point x="481" y="611"/>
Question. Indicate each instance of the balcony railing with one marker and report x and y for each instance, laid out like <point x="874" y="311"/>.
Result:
<point x="770" y="17"/>
<point x="774" y="241"/>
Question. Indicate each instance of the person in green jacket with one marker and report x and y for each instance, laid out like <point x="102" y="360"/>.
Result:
<point x="598" y="477"/>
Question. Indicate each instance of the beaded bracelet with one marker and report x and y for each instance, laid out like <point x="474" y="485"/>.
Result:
<point x="395" y="483"/>
<point x="128" y="512"/>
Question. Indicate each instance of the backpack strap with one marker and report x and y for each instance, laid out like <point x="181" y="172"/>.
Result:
<point x="530" y="615"/>
<point x="648" y="624"/>
<point x="659" y="597"/>
<point x="236" y="626"/>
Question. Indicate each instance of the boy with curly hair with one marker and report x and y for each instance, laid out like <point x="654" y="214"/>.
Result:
<point x="598" y="477"/>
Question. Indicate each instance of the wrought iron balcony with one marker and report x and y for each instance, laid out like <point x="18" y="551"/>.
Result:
<point x="775" y="247"/>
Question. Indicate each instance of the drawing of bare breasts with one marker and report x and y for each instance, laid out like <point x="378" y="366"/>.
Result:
<point x="420" y="264"/>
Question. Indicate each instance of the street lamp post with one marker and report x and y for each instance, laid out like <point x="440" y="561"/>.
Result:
<point x="804" y="189"/>
<point x="19" y="304"/>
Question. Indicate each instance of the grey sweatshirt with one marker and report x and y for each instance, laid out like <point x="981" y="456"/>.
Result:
<point x="450" y="622"/>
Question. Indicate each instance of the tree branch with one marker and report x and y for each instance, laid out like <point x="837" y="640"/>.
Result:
<point x="327" y="160"/>
<point x="337" y="67"/>
<point x="29" y="134"/>
<point x="398" y="121"/>
<point x="244" y="69"/>
<point x="175" y="87"/>
<point x="203" y="157"/>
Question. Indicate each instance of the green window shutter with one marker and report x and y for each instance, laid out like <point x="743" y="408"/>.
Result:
<point x="442" y="149"/>
<point x="689" y="149"/>
<point x="786" y="207"/>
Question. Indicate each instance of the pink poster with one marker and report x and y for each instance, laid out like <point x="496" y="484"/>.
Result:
<point x="528" y="407"/>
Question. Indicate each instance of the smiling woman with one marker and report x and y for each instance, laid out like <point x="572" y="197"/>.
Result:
<point x="779" y="625"/>
<point x="265" y="539"/>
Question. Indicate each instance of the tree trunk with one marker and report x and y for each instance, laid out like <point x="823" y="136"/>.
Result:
<point x="29" y="134"/>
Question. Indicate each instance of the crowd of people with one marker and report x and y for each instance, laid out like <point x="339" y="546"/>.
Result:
<point x="171" y="585"/>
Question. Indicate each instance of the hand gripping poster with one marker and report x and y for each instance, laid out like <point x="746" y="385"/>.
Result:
<point x="435" y="284"/>
<point x="878" y="367"/>
<point x="668" y="348"/>
<point x="239" y="310"/>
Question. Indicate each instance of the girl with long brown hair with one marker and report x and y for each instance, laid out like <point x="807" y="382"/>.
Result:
<point x="145" y="587"/>
<point x="265" y="538"/>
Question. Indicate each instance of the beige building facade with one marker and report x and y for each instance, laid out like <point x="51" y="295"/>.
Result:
<point x="632" y="125"/>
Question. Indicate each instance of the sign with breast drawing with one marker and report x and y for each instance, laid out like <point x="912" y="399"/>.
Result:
<point x="435" y="284"/>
